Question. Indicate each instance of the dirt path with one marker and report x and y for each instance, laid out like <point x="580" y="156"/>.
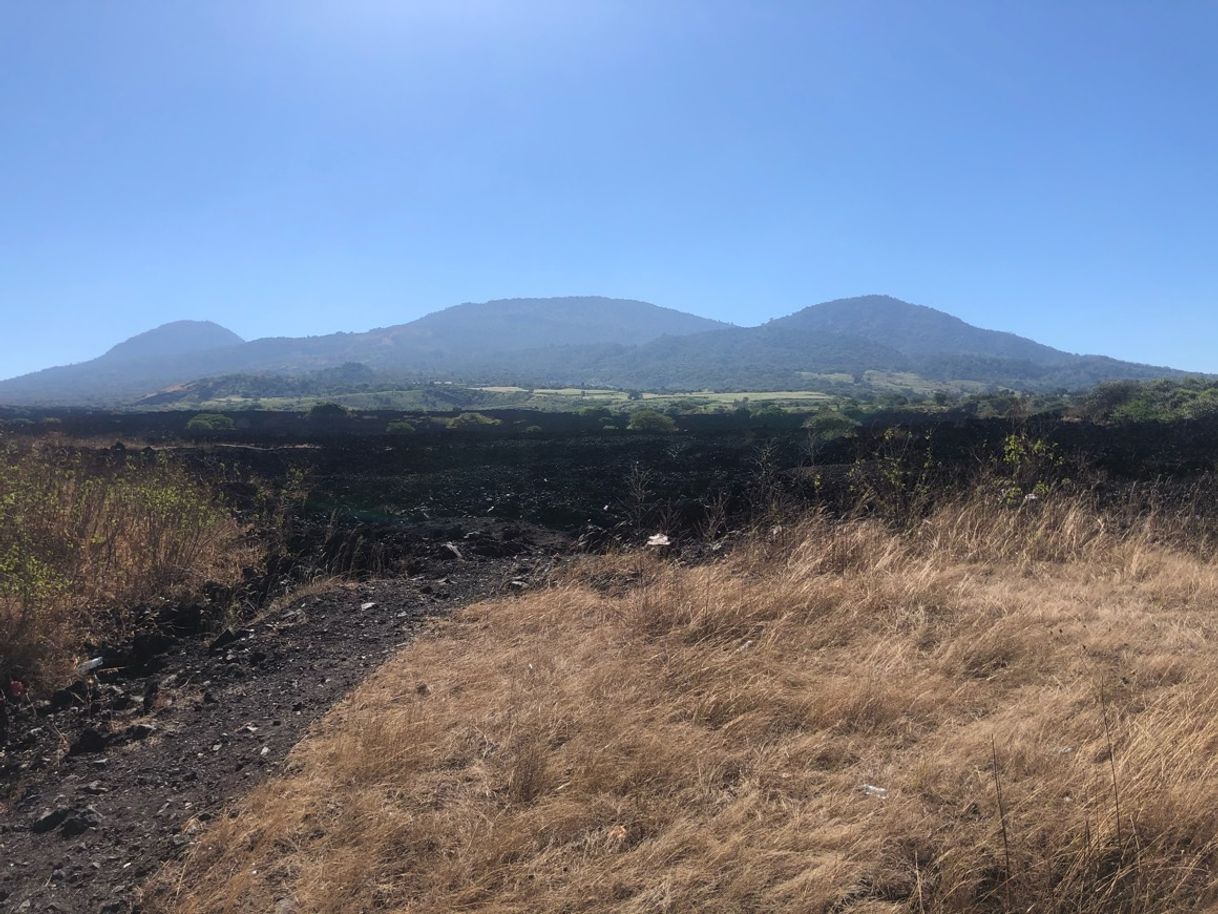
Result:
<point x="114" y="784"/>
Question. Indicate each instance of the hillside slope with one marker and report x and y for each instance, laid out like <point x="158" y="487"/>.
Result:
<point x="593" y="341"/>
<point x="442" y="343"/>
<point x="853" y="335"/>
<point x="174" y="339"/>
<point x="915" y="330"/>
<point x="531" y="323"/>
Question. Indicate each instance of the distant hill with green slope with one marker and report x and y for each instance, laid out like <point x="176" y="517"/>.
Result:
<point x="579" y="341"/>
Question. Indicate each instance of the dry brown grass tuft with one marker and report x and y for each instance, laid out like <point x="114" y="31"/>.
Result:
<point x="84" y="542"/>
<point x="819" y="723"/>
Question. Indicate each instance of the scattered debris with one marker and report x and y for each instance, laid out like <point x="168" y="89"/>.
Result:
<point x="89" y="666"/>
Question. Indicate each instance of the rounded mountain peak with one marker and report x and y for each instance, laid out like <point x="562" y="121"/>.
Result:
<point x="173" y="339"/>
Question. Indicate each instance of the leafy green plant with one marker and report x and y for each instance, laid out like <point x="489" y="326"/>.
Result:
<point x="324" y="411"/>
<point x="1030" y="467"/>
<point x="824" y="427"/>
<point x="400" y="427"/>
<point x="648" y="420"/>
<point x="204" y="423"/>
<point x="470" y="421"/>
<point x="898" y="482"/>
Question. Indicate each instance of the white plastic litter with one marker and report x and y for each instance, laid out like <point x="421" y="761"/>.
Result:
<point x="89" y="666"/>
<point x="880" y="793"/>
<point x="659" y="539"/>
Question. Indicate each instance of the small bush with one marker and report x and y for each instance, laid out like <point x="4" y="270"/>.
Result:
<point x="400" y="427"/>
<point x="323" y="411"/>
<point x="469" y="421"/>
<point x="648" y="420"/>
<point x="210" y="422"/>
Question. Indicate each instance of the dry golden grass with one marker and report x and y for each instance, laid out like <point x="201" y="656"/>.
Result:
<point x="85" y="542"/>
<point x="699" y="739"/>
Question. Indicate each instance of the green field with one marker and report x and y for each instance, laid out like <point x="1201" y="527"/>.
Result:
<point x="445" y="398"/>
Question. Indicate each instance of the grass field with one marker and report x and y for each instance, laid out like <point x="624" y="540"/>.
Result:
<point x="1014" y="709"/>
<point x="557" y="399"/>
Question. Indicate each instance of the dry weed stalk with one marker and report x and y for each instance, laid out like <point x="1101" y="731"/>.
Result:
<point x="84" y="542"/>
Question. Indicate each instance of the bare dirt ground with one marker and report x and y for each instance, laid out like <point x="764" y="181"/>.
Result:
<point x="116" y="776"/>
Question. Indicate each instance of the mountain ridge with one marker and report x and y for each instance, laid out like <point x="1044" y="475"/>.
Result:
<point x="593" y="341"/>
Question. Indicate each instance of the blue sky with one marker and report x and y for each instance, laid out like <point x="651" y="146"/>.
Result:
<point x="303" y="167"/>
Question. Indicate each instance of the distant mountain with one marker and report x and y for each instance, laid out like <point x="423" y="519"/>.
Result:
<point x="579" y="341"/>
<point x="846" y="337"/>
<point x="914" y="330"/>
<point x="531" y="323"/>
<point x="174" y="339"/>
<point x="458" y="339"/>
<point x="126" y="371"/>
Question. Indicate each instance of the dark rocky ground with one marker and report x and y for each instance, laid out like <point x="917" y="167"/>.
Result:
<point x="114" y="776"/>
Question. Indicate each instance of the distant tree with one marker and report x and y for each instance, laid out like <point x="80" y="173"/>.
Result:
<point x="323" y="411"/>
<point x="1105" y="399"/>
<point x="400" y="427"/>
<point x="468" y="421"/>
<point x="648" y="420"/>
<point x="689" y="404"/>
<point x="830" y="424"/>
<point x="204" y="423"/>
<point x="770" y="412"/>
<point x="634" y="395"/>
<point x="824" y="427"/>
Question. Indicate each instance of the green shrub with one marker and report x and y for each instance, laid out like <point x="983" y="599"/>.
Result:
<point x="323" y="411"/>
<point x="210" y="422"/>
<point x="400" y="427"/>
<point x="468" y="421"/>
<point x="648" y="420"/>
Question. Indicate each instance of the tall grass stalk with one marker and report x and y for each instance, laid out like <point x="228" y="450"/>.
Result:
<point x="86" y="540"/>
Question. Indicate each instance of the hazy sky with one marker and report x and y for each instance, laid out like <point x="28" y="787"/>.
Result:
<point x="300" y="167"/>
